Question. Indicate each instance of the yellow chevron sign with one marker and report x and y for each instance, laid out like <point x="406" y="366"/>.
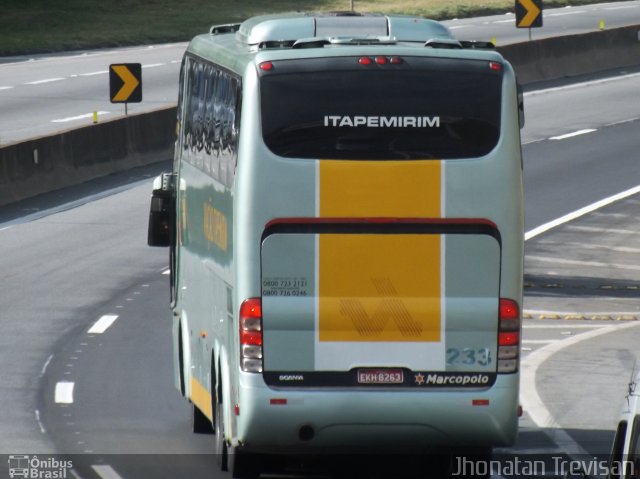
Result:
<point x="528" y="13"/>
<point x="125" y="83"/>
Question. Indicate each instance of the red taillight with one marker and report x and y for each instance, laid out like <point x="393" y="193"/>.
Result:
<point x="379" y="60"/>
<point x="509" y="309"/>
<point x="495" y="66"/>
<point x="251" y="338"/>
<point x="508" y="336"/>
<point x="266" y="66"/>
<point x="508" y="339"/>
<point x="251" y="335"/>
<point x="251" y="309"/>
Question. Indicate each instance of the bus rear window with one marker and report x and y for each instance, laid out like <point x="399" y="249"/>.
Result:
<point x="421" y="109"/>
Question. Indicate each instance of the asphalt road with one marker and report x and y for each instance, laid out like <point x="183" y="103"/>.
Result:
<point x="73" y="266"/>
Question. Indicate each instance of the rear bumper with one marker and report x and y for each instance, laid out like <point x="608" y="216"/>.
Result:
<point x="341" y="420"/>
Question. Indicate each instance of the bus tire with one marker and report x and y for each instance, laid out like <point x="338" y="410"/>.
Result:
<point x="243" y="465"/>
<point x="183" y="388"/>
<point x="240" y="464"/>
<point x="221" y="448"/>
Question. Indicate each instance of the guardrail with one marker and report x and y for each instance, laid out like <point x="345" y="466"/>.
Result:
<point x="572" y="55"/>
<point x="48" y="163"/>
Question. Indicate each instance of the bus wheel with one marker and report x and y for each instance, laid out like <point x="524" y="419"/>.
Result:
<point x="222" y="450"/>
<point x="240" y="464"/>
<point x="243" y="465"/>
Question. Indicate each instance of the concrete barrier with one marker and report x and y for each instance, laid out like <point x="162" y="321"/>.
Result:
<point x="52" y="162"/>
<point x="45" y="164"/>
<point x="571" y="55"/>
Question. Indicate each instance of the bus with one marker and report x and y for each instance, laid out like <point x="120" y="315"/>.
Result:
<point x="345" y="223"/>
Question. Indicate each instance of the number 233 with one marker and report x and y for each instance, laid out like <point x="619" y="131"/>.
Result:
<point x="469" y="356"/>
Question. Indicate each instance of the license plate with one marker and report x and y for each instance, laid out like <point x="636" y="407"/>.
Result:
<point x="380" y="376"/>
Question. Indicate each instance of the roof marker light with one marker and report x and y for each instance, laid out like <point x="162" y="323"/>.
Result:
<point x="381" y="60"/>
<point x="495" y="66"/>
<point x="365" y="61"/>
<point x="266" y="66"/>
<point x="395" y="60"/>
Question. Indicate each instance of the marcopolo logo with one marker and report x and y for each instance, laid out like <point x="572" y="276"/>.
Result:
<point x="342" y="121"/>
<point x="471" y="380"/>
<point x="33" y="467"/>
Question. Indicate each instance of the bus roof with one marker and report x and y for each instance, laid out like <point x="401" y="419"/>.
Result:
<point x="234" y="45"/>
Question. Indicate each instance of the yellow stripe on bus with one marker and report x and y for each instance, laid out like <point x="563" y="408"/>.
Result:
<point x="390" y="189"/>
<point x="201" y="398"/>
<point x="378" y="288"/>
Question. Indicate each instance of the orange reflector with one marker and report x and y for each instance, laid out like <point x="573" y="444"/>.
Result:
<point x="278" y="401"/>
<point x="480" y="402"/>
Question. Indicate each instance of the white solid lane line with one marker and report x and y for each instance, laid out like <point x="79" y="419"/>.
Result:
<point x="78" y="117"/>
<point x="571" y="135"/>
<point x="102" y="324"/>
<point x="90" y="74"/>
<point x="581" y="212"/>
<point x="64" y="392"/>
<point x="48" y="80"/>
<point x="563" y="14"/>
<point x="564" y="326"/>
<point x="574" y="86"/>
<point x="540" y="341"/>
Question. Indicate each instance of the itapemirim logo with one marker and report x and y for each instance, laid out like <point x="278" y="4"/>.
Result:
<point x="33" y="467"/>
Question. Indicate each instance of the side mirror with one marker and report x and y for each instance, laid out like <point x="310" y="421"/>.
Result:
<point x="161" y="212"/>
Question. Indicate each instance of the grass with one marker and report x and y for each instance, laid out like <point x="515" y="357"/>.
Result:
<point x="39" y="26"/>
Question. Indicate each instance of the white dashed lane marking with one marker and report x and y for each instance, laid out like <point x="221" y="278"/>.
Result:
<point x="64" y="392"/>
<point x="102" y="324"/>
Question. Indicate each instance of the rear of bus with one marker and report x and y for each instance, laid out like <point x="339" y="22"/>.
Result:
<point x="379" y="233"/>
